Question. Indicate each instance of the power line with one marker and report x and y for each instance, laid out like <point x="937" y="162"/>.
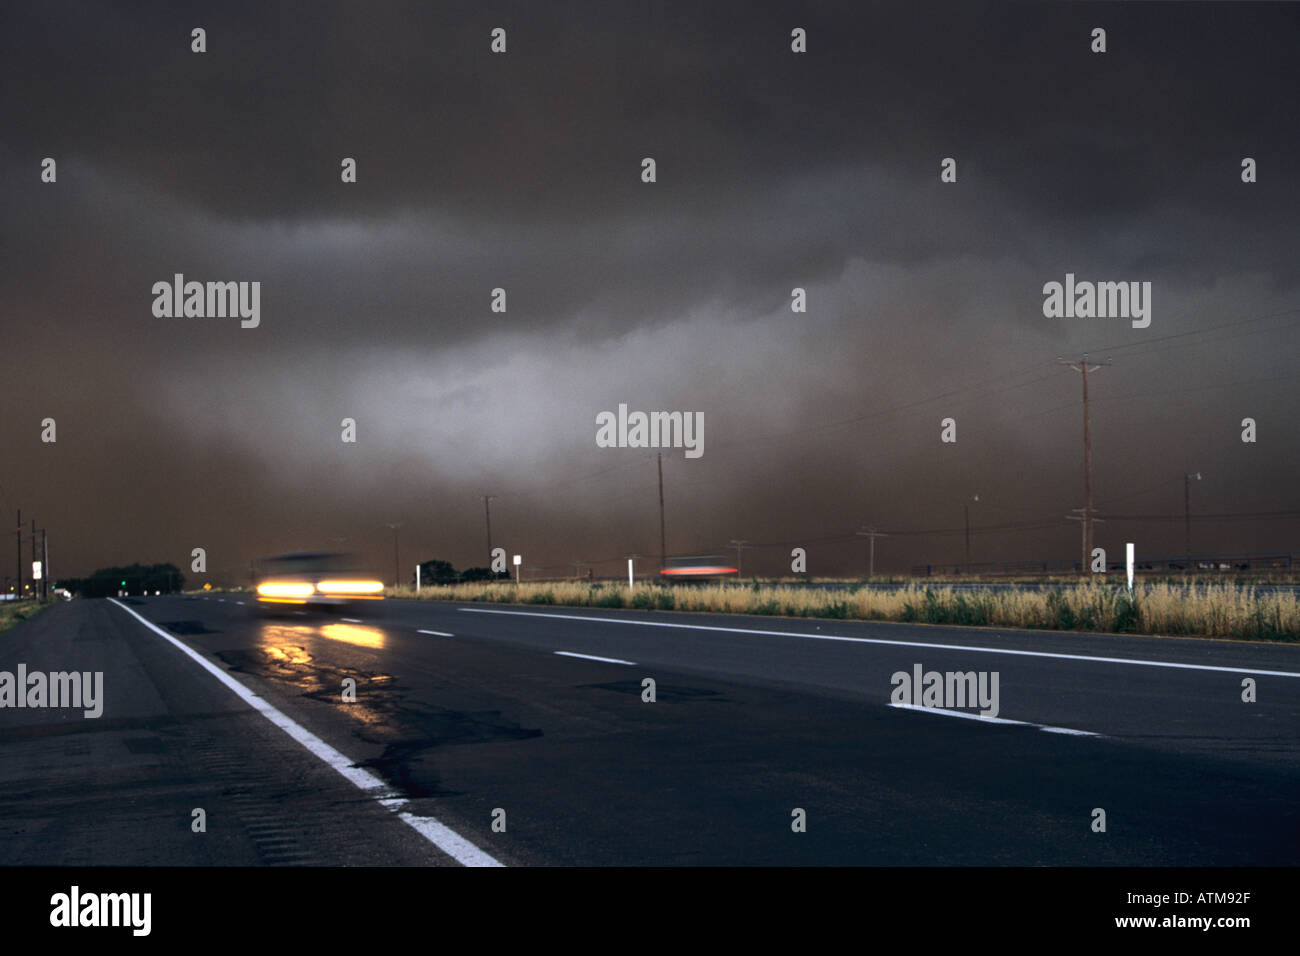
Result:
<point x="884" y="413"/>
<point x="1144" y="491"/>
<point x="1009" y="527"/>
<point x="1197" y="388"/>
<point x="979" y="385"/>
<point x="1222" y="516"/>
<point x="984" y="384"/>
<point x="1212" y="328"/>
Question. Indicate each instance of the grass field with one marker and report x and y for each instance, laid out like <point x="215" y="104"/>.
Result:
<point x="1203" y="610"/>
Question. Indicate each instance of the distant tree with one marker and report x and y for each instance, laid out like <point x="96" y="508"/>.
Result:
<point x="134" y="579"/>
<point x="477" y="574"/>
<point x="437" y="572"/>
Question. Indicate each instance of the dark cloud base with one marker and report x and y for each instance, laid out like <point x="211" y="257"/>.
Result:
<point x="521" y="171"/>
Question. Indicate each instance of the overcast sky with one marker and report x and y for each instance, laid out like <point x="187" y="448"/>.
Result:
<point x="522" y="170"/>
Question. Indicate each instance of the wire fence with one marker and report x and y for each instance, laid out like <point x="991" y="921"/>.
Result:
<point x="1228" y="562"/>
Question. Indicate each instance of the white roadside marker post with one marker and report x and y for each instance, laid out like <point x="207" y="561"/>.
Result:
<point x="1128" y="562"/>
<point x="519" y="559"/>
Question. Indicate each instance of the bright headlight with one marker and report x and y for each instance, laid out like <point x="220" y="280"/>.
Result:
<point x="285" y="589"/>
<point x="349" y="587"/>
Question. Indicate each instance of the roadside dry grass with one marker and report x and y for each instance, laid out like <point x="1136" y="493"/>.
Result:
<point x="15" y="612"/>
<point x="1209" y="610"/>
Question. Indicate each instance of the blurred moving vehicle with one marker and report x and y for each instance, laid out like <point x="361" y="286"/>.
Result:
<point x="705" y="568"/>
<point x="319" y="578"/>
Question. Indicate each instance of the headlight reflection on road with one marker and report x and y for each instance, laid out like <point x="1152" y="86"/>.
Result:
<point x="285" y="647"/>
<point x="283" y="643"/>
<point x="352" y="634"/>
<point x="275" y="633"/>
<point x="289" y="655"/>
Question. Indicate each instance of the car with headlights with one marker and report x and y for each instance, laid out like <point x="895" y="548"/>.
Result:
<point x="321" y="579"/>
<point x="698" y="569"/>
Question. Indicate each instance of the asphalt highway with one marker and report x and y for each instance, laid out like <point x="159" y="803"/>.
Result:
<point x="520" y="735"/>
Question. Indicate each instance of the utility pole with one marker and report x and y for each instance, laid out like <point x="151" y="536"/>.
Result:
<point x="663" y="550"/>
<point x="1084" y="369"/>
<point x="967" y="509"/>
<point x="873" y="534"/>
<point x="45" y="566"/>
<point x="487" y="511"/>
<point x="18" y="595"/>
<point x="739" y="547"/>
<point x="397" y="568"/>
<point x="1187" y="514"/>
<point x="35" y="591"/>
<point x="1084" y="531"/>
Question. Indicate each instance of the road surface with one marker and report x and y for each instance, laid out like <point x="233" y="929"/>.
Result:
<point x="517" y="735"/>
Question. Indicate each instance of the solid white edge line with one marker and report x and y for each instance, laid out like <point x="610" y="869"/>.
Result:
<point x="963" y="713"/>
<point x="593" y="657"/>
<point x="880" y="640"/>
<point x="436" y="633"/>
<point x="350" y="620"/>
<point x="440" y="835"/>
<point x="1068" y="730"/>
<point x="995" y="720"/>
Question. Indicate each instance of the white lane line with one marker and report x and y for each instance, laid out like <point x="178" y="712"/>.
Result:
<point x="436" y="633"/>
<point x="593" y="657"/>
<point x="443" y="837"/>
<point x="879" y="640"/>
<point x="1068" y="730"/>
<point x="350" y="620"/>
<point x="995" y="720"/>
<point x="240" y="603"/>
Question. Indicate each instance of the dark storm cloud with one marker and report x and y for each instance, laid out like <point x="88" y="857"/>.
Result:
<point x="522" y="171"/>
